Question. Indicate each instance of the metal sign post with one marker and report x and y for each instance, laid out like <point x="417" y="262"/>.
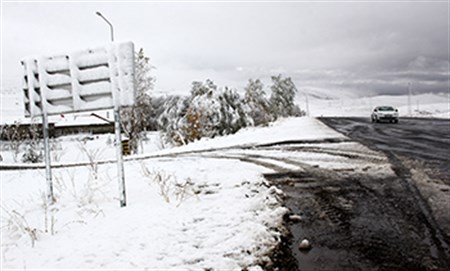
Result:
<point x="48" y="169"/>
<point x="120" y="171"/>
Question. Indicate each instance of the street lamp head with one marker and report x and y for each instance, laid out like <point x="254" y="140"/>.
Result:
<point x="106" y="20"/>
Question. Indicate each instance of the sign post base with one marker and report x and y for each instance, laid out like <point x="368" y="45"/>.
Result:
<point x="120" y="170"/>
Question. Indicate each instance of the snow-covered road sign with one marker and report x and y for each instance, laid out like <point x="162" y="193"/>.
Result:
<point x="86" y="80"/>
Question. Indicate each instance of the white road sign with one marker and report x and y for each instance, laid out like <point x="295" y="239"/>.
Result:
<point x="86" y="80"/>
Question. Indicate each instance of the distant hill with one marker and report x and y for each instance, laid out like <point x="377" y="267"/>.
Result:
<point x="422" y="105"/>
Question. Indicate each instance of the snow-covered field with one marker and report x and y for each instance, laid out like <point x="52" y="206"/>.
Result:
<point x="192" y="207"/>
<point x="200" y="206"/>
<point x="180" y="214"/>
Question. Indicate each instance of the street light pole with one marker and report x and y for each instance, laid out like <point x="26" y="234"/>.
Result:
<point x="108" y="22"/>
<point x="117" y="132"/>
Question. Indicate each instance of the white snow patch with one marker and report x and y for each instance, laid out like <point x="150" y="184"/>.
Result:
<point x="289" y="129"/>
<point x="225" y="221"/>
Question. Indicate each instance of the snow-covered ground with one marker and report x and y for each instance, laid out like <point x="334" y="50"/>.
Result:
<point x="180" y="214"/>
<point x="204" y="205"/>
<point x="199" y="206"/>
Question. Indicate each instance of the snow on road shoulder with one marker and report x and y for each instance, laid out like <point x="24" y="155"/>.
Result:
<point x="182" y="213"/>
<point x="288" y="129"/>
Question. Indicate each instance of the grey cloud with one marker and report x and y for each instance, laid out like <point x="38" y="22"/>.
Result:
<point x="365" y="47"/>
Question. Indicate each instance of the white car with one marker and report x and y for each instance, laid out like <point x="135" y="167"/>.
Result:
<point x="385" y="113"/>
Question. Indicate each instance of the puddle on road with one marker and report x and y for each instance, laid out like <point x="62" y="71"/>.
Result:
<point x="320" y="258"/>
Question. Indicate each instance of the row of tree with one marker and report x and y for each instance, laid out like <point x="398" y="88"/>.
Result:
<point x="208" y="111"/>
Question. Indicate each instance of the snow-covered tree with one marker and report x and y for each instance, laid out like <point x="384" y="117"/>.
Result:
<point x="233" y="114"/>
<point x="204" y="104"/>
<point x="137" y="118"/>
<point x="199" y="89"/>
<point x="172" y="118"/>
<point x="282" y="97"/>
<point x="211" y="111"/>
<point x="220" y="111"/>
<point x="256" y="103"/>
<point x="208" y="112"/>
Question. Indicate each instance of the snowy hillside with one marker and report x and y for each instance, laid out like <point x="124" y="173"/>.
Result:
<point x="323" y="94"/>
<point x="423" y="105"/>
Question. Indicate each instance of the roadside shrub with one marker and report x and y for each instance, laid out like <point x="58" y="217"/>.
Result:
<point x="32" y="155"/>
<point x="169" y="187"/>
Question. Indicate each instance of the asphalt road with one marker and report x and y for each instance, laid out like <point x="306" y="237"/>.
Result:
<point x="425" y="140"/>
<point x="358" y="221"/>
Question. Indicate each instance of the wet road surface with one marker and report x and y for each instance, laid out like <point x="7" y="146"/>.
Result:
<point x="427" y="140"/>
<point x="357" y="221"/>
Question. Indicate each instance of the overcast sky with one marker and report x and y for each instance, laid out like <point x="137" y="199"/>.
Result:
<point x="366" y="47"/>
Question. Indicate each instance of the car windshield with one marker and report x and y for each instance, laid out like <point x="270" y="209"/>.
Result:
<point x="385" y="108"/>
